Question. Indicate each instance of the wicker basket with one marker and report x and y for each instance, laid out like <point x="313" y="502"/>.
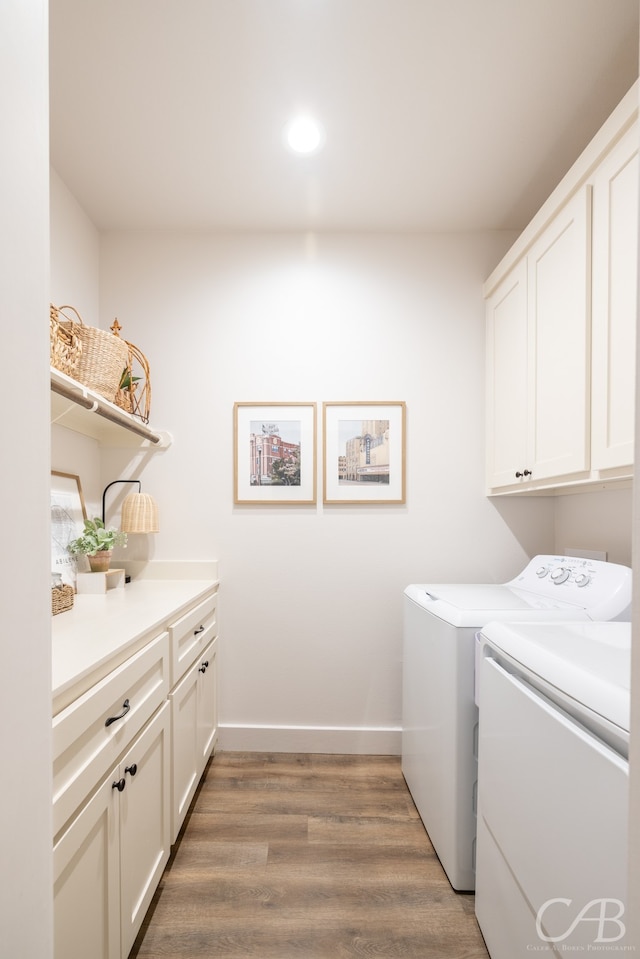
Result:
<point x="65" y="345"/>
<point x="61" y="599"/>
<point x="103" y="357"/>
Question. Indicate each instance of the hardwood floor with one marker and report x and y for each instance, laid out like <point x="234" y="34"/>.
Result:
<point x="289" y="856"/>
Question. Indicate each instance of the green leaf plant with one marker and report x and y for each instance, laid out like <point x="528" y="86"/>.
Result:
<point x="95" y="538"/>
<point x="127" y="381"/>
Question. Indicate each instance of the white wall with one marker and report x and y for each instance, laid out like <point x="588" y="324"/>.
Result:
<point x="311" y="596"/>
<point x="25" y="677"/>
<point x="633" y="899"/>
<point x="311" y="318"/>
<point x="600" y="520"/>
<point x="75" y="280"/>
<point x="75" y="254"/>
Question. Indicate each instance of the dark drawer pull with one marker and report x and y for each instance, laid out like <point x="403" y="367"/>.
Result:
<point x="200" y="629"/>
<point x="132" y="769"/>
<point x="119" y="784"/>
<point x="125" y="709"/>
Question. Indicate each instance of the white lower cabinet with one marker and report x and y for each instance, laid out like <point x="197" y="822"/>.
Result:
<point x="208" y="704"/>
<point x="128" y="752"/>
<point x="145" y="821"/>
<point x="86" y="864"/>
<point x="109" y="860"/>
<point x="194" y="729"/>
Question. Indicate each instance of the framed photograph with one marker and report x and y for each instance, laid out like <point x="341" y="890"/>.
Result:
<point x="68" y="514"/>
<point x="275" y="453"/>
<point x="364" y="452"/>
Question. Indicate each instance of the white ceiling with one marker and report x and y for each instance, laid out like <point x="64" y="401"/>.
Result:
<point x="439" y="114"/>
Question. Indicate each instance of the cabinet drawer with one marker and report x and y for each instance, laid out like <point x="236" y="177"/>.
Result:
<point x="91" y="733"/>
<point x="190" y="635"/>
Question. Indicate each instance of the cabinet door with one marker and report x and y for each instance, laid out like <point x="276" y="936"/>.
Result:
<point x="194" y="724"/>
<point x="185" y="754"/>
<point x="207" y="704"/>
<point x="144" y="822"/>
<point x="558" y="291"/>
<point x="507" y="379"/>
<point x="615" y="276"/>
<point x="87" y="880"/>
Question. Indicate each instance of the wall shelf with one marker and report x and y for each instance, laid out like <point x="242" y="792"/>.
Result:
<point x="78" y="408"/>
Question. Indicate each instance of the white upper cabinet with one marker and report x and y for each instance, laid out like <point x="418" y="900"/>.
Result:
<point x="507" y="376"/>
<point x="538" y="357"/>
<point x="558" y="278"/>
<point x="561" y="320"/>
<point x="615" y="270"/>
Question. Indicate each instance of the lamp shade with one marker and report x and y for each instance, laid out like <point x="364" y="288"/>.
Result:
<point x="139" y="514"/>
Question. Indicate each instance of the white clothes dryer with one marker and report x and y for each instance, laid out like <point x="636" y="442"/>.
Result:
<point x="439" y="714"/>
<point x="553" y="788"/>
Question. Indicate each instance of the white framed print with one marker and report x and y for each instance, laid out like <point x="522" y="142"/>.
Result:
<point x="68" y="514"/>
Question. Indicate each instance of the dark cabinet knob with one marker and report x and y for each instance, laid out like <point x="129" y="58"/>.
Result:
<point x="132" y="769"/>
<point x="204" y="666"/>
<point x="119" y="784"/>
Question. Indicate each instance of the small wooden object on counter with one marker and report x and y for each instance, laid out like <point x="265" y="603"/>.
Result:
<point x="100" y="582"/>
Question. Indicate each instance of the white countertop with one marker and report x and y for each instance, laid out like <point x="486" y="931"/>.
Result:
<point x="102" y="631"/>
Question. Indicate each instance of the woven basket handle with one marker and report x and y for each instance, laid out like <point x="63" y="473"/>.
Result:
<point x="69" y="318"/>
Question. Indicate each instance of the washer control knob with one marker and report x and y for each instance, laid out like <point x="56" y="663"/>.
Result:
<point x="560" y="575"/>
<point x="582" y="579"/>
<point x="542" y="571"/>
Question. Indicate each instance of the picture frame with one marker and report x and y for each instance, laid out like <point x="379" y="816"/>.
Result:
<point x="275" y="454"/>
<point x="68" y="513"/>
<point x="364" y="452"/>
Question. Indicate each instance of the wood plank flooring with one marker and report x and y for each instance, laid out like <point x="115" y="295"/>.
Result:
<point x="287" y="856"/>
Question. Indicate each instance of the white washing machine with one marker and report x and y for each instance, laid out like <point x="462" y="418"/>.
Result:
<point x="439" y="714"/>
<point x="553" y="788"/>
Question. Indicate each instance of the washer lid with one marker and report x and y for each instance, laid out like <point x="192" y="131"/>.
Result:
<point x="588" y="662"/>
<point x="474" y="605"/>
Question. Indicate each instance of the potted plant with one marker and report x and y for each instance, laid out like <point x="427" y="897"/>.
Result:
<point x="126" y="389"/>
<point x="97" y="543"/>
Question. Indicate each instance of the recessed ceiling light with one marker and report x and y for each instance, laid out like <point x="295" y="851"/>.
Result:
<point x="304" y="135"/>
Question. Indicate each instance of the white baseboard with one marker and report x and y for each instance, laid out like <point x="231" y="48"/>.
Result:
<point x="367" y="741"/>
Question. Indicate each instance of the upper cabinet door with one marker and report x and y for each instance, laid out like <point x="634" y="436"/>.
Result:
<point x="507" y="378"/>
<point x="615" y="269"/>
<point x="558" y="290"/>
